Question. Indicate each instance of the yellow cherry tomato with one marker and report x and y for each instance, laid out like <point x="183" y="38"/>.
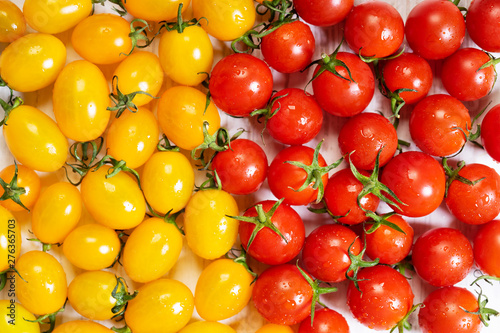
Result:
<point x="161" y="306"/>
<point x="167" y="181"/>
<point x="133" y="137"/>
<point x="186" y="57"/>
<point x="140" y="71"/>
<point x="207" y="327"/>
<point x="26" y="179"/>
<point x="10" y="240"/>
<point x="35" y="140"/>
<point x="14" y="318"/>
<point x="116" y="202"/>
<point x="223" y="289"/>
<point x="41" y="286"/>
<point x="53" y="17"/>
<point x="81" y="326"/>
<point x="80" y="99"/>
<point x="181" y="113"/>
<point x="158" y="241"/>
<point x="225" y="19"/>
<point x="92" y="246"/>
<point x="210" y="232"/>
<point x="32" y="62"/>
<point x="155" y="10"/>
<point x="12" y="22"/>
<point x="274" y="328"/>
<point x="56" y="212"/>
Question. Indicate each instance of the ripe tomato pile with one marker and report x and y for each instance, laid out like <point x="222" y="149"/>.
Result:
<point x="245" y="166"/>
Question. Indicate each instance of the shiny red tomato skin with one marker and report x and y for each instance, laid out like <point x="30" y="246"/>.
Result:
<point x="435" y="29"/>
<point x="323" y="13"/>
<point x="418" y="180"/>
<point x="442" y="256"/>
<point x="487" y="248"/>
<point x="374" y="29"/>
<point x="298" y="120"/>
<point x="240" y="83"/>
<point x="243" y="168"/>
<point x="490" y="135"/>
<point x="325" y="321"/>
<point x="289" y="49"/>
<point x="483" y="25"/>
<point x="341" y="97"/>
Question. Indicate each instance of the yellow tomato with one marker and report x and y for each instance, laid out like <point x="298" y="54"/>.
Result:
<point x="14" y="318"/>
<point x="12" y="23"/>
<point x="210" y="233"/>
<point x="92" y="246"/>
<point x="35" y="140"/>
<point x="225" y="19"/>
<point x="41" y="286"/>
<point x="140" y="71"/>
<point x="116" y="202"/>
<point x="133" y="137"/>
<point x="186" y="57"/>
<point x="56" y="212"/>
<point x="181" y="113"/>
<point x="273" y="328"/>
<point x="27" y="179"/>
<point x="161" y="306"/>
<point x="10" y="240"/>
<point x="158" y="241"/>
<point x="207" y="327"/>
<point x="223" y="289"/>
<point x="155" y="10"/>
<point x="81" y="326"/>
<point x="53" y="17"/>
<point x="32" y="62"/>
<point x="80" y="99"/>
<point x="167" y="181"/>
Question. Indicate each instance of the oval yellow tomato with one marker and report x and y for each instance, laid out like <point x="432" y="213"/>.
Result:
<point x="158" y="241"/>
<point x="14" y="318"/>
<point x="32" y="62"/>
<point x="35" y="140"/>
<point x="10" y="239"/>
<point x="207" y="327"/>
<point x="41" y="287"/>
<point x="81" y="326"/>
<point x="210" y="233"/>
<point x="12" y="22"/>
<point x="274" y="328"/>
<point x="116" y="202"/>
<point x="27" y="179"/>
<point x="56" y="212"/>
<point x="155" y="10"/>
<point x="53" y="17"/>
<point x="92" y="246"/>
<point x="181" y="114"/>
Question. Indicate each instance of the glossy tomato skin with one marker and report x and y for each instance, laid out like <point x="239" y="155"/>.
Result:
<point x="374" y="29"/>
<point x="383" y="299"/>
<point x="268" y="247"/>
<point x="341" y="97"/>
<point x="326" y="252"/>
<point x="12" y="23"/>
<point x="325" y="321"/>
<point x="155" y="10"/>
<point x="365" y="135"/>
<point x="81" y="326"/>
<point x="240" y="83"/>
<point x="27" y="179"/>
<point x="418" y="180"/>
<point x="10" y="230"/>
<point x="443" y="311"/>
<point x="490" y="135"/>
<point x="479" y="203"/>
<point x="27" y="324"/>
<point x="289" y="49"/>
<point x="274" y="328"/>
<point x="435" y="29"/>
<point x="323" y="13"/>
<point x="207" y="327"/>
<point x="442" y="256"/>
<point x="487" y="248"/>
<point x="482" y="24"/>
<point x="299" y="119"/>
<point x="435" y="125"/>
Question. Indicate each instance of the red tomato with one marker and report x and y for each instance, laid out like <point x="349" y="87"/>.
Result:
<point x="323" y="13"/>
<point x="365" y="135"/>
<point x="435" y="29"/>
<point x="439" y="125"/>
<point x="383" y="299"/>
<point x="374" y="29"/>
<point x="326" y="252"/>
<point x="418" y="180"/>
<point x="289" y="48"/>
<point x="325" y="321"/>
<point x="268" y="246"/>
<point x="490" y="135"/>
<point x="483" y="25"/>
<point x="240" y="83"/>
<point x="487" y="248"/>
<point x="442" y="256"/>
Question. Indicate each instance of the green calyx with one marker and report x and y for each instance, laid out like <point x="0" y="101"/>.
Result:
<point x="123" y="101"/>
<point x="119" y="8"/>
<point x="49" y="319"/>
<point x="483" y="312"/>
<point x="267" y="112"/>
<point x="9" y="106"/>
<point x="165" y="145"/>
<point x="376" y="221"/>
<point x="241" y="259"/>
<point x="180" y="24"/>
<point x="453" y="174"/>
<point x="357" y="263"/>
<point x="169" y="218"/>
<point x="121" y="295"/>
<point x="404" y="323"/>
<point x="45" y="246"/>
<point x="12" y="191"/>
<point x="139" y="33"/>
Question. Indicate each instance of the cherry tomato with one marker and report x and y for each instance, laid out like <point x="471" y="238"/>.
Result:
<point x="240" y="83"/>
<point x="435" y="29"/>
<point x="274" y="328"/>
<point x="325" y="321"/>
<point x="323" y="13"/>
<point x="490" y="135"/>
<point x="482" y="24"/>
<point x="383" y="299"/>
<point x="418" y="180"/>
<point x="374" y="29"/>
<point x="12" y="22"/>
<point x="442" y="256"/>
<point x="242" y="168"/>
<point x="25" y="70"/>
<point x="155" y="10"/>
<point x="156" y="240"/>
<point x="80" y="100"/>
<point x="486" y="246"/>
<point x="289" y="49"/>
<point x="10" y="234"/>
<point x="207" y="327"/>
<point x="81" y="326"/>
<point x="15" y="318"/>
<point x="27" y="179"/>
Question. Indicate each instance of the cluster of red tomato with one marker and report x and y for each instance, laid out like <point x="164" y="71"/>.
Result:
<point x="123" y="223"/>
